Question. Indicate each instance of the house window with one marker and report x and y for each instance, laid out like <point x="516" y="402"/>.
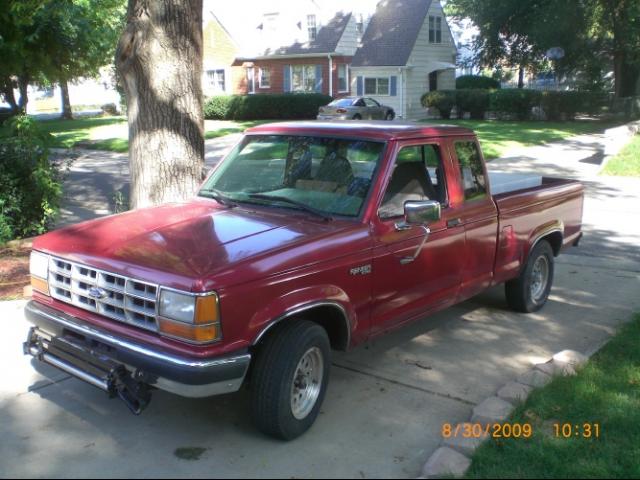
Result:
<point x="435" y="29"/>
<point x="265" y="78"/>
<point x="343" y="78"/>
<point x="251" y="80"/>
<point x="303" y="78"/>
<point x="311" y="27"/>
<point x="215" y="80"/>
<point x="376" y="86"/>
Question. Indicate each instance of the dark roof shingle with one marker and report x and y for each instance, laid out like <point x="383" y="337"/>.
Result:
<point x="326" y="40"/>
<point x="392" y="33"/>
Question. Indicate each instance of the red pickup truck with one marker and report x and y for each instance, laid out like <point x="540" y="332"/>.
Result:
<point x="307" y="237"/>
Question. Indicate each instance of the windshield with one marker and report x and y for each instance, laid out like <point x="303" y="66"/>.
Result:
<point x="323" y="175"/>
<point x="342" y="102"/>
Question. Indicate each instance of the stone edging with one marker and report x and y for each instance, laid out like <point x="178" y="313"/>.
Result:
<point x="452" y="457"/>
<point x="617" y="138"/>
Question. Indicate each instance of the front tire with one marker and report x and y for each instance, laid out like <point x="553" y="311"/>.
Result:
<point x="290" y="379"/>
<point x="530" y="291"/>
<point x="357" y="116"/>
<point x="390" y="116"/>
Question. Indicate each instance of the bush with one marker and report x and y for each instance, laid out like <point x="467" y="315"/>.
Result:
<point x="31" y="191"/>
<point x="476" y="82"/>
<point x="474" y="101"/>
<point x="516" y="102"/>
<point x="109" y="109"/>
<point x="265" y="106"/>
<point x="442" y="100"/>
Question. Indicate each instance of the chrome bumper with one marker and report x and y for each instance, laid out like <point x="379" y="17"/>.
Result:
<point x="107" y="361"/>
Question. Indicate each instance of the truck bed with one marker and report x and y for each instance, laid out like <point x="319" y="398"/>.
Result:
<point x="554" y="206"/>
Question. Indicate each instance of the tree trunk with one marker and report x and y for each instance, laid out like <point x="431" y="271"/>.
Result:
<point x="521" y="77"/>
<point x="23" y="85"/>
<point x="159" y="58"/>
<point x="67" y="114"/>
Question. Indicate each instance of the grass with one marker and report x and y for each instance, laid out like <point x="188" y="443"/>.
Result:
<point x="627" y="162"/>
<point x="111" y="133"/>
<point x="606" y="391"/>
<point x="497" y="136"/>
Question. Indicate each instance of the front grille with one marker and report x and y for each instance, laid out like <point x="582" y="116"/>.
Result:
<point x="114" y="296"/>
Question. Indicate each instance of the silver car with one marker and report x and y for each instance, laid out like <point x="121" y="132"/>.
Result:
<point x="355" y="108"/>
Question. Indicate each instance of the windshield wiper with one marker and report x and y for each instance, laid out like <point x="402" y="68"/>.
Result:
<point x="300" y="205"/>
<point x="218" y="196"/>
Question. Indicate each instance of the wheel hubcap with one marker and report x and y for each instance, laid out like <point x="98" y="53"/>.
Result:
<point x="307" y="383"/>
<point x="539" y="278"/>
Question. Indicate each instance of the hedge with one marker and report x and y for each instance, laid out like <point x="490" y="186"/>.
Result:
<point x="514" y="101"/>
<point x="265" y="106"/>
<point x="475" y="82"/>
<point x="31" y="185"/>
<point x="442" y="100"/>
<point x="474" y="101"/>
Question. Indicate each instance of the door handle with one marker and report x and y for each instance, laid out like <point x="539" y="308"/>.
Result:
<point x="453" y="222"/>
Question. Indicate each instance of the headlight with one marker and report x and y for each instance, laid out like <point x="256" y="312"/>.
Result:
<point x="39" y="270"/>
<point x="194" y="318"/>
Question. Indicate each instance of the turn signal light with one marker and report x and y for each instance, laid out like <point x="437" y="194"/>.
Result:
<point x="190" y="333"/>
<point x="206" y="310"/>
<point x="40" y="285"/>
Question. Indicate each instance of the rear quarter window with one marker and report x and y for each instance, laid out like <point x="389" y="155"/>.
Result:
<point x="472" y="175"/>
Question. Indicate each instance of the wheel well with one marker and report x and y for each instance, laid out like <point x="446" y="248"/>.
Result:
<point x="329" y="317"/>
<point x="555" y="240"/>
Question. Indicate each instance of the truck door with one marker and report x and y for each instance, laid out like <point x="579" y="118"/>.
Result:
<point x="406" y="291"/>
<point x="478" y="214"/>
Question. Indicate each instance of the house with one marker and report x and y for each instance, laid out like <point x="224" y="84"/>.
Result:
<point x="218" y="53"/>
<point x="407" y="50"/>
<point x="315" y="57"/>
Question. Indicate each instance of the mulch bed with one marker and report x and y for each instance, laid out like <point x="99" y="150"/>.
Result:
<point x="14" y="271"/>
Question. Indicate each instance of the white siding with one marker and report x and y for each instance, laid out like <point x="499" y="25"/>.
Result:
<point x="422" y="55"/>
<point x="348" y="43"/>
<point x="394" y="102"/>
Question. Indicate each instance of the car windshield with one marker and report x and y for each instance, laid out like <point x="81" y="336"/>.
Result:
<point x="325" y="176"/>
<point x="342" y="102"/>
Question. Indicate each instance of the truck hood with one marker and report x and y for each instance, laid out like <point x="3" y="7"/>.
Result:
<point x="188" y="245"/>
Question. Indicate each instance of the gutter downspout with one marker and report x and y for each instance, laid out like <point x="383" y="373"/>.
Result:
<point x="330" y="75"/>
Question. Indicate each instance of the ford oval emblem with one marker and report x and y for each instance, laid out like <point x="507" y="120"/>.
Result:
<point x="97" y="292"/>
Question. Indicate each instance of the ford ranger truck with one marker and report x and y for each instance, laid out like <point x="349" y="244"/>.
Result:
<point x="308" y="237"/>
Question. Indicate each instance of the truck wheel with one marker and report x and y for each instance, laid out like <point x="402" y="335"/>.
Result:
<point x="290" y="379"/>
<point x="529" y="292"/>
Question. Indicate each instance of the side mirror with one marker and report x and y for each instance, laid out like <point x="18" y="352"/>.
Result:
<point x="419" y="214"/>
<point x="422" y="212"/>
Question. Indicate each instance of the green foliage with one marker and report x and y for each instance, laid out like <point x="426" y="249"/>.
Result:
<point x="516" y="102"/>
<point x="266" y="106"/>
<point x="474" y="101"/>
<point x="442" y="100"/>
<point x="31" y="190"/>
<point x="627" y="162"/>
<point x="476" y="81"/>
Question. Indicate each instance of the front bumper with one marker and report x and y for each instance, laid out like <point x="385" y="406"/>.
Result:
<point x="100" y="358"/>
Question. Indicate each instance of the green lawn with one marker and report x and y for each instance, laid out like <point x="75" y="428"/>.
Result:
<point x="607" y="392"/>
<point x="111" y="133"/>
<point x="627" y="162"/>
<point x="497" y="136"/>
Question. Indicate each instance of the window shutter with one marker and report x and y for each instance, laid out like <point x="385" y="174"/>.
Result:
<point x="286" y="79"/>
<point x="360" y="86"/>
<point x="319" y="78"/>
<point x="393" y="86"/>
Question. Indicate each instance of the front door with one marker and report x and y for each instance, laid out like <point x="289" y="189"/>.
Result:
<point x="406" y="290"/>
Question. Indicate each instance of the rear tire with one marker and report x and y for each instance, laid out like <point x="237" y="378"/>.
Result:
<point x="290" y="379"/>
<point x="530" y="291"/>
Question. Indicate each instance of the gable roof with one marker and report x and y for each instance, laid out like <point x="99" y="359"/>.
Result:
<point x="392" y="33"/>
<point x="326" y="40"/>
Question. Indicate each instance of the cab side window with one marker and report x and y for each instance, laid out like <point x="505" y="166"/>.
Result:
<point x="471" y="172"/>
<point x="417" y="175"/>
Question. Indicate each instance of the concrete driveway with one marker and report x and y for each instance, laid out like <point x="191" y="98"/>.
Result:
<point x="387" y="400"/>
